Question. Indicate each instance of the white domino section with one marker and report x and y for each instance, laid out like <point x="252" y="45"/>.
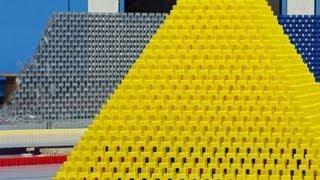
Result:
<point x="109" y="6"/>
<point x="300" y="7"/>
<point x="55" y="151"/>
<point x="40" y="138"/>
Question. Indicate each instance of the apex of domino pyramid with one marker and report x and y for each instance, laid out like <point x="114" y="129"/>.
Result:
<point x="218" y="93"/>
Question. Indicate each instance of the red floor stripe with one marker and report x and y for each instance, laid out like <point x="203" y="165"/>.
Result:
<point x="33" y="160"/>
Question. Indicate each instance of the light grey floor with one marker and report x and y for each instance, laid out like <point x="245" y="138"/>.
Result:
<point x="39" y="172"/>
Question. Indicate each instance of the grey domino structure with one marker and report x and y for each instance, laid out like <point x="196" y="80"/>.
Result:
<point x="80" y="60"/>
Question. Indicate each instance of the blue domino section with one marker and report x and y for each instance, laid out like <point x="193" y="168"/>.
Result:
<point x="304" y="33"/>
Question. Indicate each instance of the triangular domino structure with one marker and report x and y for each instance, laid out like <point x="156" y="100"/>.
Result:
<point x="218" y="93"/>
<point x="80" y="60"/>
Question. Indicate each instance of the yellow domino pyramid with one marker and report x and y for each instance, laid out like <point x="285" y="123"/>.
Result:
<point x="218" y="93"/>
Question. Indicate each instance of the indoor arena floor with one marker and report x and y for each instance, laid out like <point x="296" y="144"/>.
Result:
<point x="39" y="172"/>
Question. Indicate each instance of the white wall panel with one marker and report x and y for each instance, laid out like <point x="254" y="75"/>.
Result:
<point x="300" y="7"/>
<point x="103" y="6"/>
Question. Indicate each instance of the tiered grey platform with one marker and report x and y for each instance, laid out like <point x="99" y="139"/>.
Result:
<point x="80" y="60"/>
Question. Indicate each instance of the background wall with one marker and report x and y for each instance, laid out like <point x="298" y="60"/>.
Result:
<point x="2" y="87"/>
<point x="160" y="6"/>
<point x="275" y="4"/>
<point x="103" y="6"/>
<point x="318" y="7"/>
<point x="22" y="23"/>
<point x="300" y="7"/>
